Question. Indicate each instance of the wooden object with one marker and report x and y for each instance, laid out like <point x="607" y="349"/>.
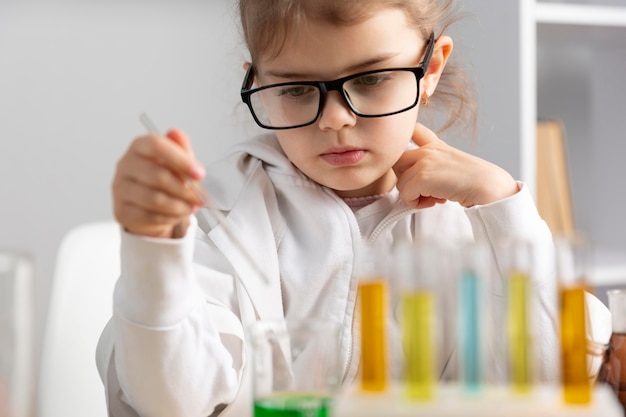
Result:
<point x="554" y="200"/>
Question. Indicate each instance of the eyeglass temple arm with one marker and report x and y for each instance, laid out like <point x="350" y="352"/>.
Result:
<point x="429" y="52"/>
<point x="247" y="80"/>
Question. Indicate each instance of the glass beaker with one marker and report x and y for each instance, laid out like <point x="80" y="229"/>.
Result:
<point x="17" y="368"/>
<point x="295" y="367"/>
<point x="613" y="370"/>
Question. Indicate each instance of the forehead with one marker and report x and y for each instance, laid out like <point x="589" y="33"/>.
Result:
<point x="323" y="49"/>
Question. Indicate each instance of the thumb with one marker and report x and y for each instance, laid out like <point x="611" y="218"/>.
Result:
<point x="423" y="135"/>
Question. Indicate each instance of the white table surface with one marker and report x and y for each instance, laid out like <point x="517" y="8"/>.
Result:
<point x="543" y="401"/>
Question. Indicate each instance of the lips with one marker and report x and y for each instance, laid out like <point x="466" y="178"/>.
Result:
<point x="342" y="157"/>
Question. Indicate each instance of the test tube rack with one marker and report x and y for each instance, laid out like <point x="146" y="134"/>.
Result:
<point x="476" y="387"/>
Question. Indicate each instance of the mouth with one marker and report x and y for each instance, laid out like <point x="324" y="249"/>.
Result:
<point x="344" y="156"/>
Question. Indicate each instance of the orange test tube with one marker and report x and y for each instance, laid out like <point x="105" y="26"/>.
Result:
<point x="373" y="295"/>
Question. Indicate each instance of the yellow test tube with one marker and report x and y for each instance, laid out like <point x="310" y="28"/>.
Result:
<point x="416" y="275"/>
<point x="418" y="334"/>
<point x="519" y="331"/>
<point x="373" y="296"/>
<point x="570" y="263"/>
<point x="576" y="385"/>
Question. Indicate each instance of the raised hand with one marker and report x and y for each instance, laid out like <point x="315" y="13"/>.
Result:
<point x="436" y="172"/>
<point x="151" y="193"/>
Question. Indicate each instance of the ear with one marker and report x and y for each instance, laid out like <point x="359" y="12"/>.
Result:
<point x="246" y="65"/>
<point x="441" y="53"/>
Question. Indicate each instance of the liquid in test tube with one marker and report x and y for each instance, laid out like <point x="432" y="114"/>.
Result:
<point x="470" y="322"/>
<point x="373" y="296"/>
<point x="474" y="323"/>
<point x="418" y="340"/>
<point x="416" y="273"/>
<point x="519" y="331"/>
<point x="576" y="385"/>
<point x="570" y="263"/>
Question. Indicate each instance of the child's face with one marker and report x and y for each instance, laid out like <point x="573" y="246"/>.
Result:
<point x="352" y="155"/>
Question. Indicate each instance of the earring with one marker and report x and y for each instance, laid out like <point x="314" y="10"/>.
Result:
<point x="426" y="97"/>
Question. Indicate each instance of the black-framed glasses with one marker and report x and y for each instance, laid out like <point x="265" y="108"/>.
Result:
<point x="376" y="93"/>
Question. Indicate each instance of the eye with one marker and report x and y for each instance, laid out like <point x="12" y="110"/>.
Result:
<point x="295" y="91"/>
<point x="371" y="80"/>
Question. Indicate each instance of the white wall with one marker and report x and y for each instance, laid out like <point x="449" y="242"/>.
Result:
<point x="74" y="76"/>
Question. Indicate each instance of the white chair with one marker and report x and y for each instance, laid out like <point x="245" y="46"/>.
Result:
<point x="80" y="305"/>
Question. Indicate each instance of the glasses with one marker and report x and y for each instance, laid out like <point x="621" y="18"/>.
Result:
<point x="376" y="93"/>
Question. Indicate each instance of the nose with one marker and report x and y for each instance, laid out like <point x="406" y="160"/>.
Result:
<point x="335" y="112"/>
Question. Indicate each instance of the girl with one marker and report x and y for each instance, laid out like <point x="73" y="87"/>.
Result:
<point x="338" y="86"/>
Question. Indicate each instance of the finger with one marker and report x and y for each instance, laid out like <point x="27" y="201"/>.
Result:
<point x="139" y="221"/>
<point x="136" y="217"/>
<point x="426" y="202"/>
<point x="155" y="203"/>
<point x="154" y="176"/>
<point x="406" y="161"/>
<point x="181" y="138"/>
<point x="168" y="153"/>
<point x="418" y="175"/>
<point x="423" y="136"/>
<point x="133" y="217"/>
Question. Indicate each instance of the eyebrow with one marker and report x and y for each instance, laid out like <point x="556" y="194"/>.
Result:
<point x="350" y="69"/>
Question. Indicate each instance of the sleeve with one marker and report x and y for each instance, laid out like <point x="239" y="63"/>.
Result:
<point x="517" y="216"/>
<point x="170" y="349"/>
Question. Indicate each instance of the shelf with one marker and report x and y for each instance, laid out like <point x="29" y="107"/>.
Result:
<point x="608" y="275"/>
<point x="576" y="36"/>
<point x="578" y="14"/>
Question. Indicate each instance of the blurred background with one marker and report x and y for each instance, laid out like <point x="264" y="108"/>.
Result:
<point x="75" y="75"/>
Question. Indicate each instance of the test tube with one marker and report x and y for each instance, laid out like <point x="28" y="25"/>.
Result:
<point x="519" y="316"/>
<point x="374" y="367"/>
<point x="373" y="295"/>
<point x="571" y="254"/>
<point x="416" y="272"/>
<point x="519" y="338"/>
<point x="418" y="338"/>
<point x="472" y="317"/>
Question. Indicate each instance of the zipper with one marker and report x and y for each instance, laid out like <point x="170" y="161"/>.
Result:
<point x="348" y="364"/>
<point x="379" y="229"/>
<point x="387" y="222"/>
<point x="353" y="290"/>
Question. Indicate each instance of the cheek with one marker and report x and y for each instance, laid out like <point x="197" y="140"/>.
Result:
<point x="397" y="131"/>
<point x="294" y="146"/>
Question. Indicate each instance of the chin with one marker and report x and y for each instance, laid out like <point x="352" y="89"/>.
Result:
<point x="363" y="190"/>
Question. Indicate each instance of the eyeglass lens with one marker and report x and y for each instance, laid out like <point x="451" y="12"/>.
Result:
<point x="375" y="94"/>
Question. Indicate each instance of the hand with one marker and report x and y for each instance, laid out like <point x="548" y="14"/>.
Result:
<point x="436" y="172"/>
<point x="151" y="196"/>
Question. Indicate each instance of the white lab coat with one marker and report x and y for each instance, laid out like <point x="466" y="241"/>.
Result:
<point x="175" y="345"/>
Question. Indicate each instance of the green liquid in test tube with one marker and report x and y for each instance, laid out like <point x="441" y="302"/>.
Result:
<point x="292" y="405"/>
<point x="418" y="333"/>
<point x="519" y="331"/>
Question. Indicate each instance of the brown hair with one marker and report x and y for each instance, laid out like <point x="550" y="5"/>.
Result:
<point x="267" y="23"/>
